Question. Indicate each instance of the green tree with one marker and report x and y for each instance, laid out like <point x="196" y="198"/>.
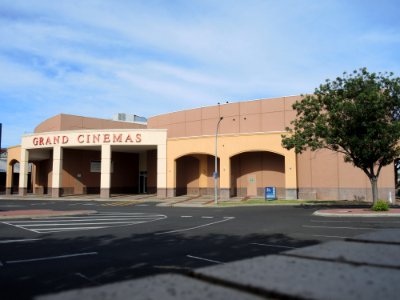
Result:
<point x="357" y="115"/>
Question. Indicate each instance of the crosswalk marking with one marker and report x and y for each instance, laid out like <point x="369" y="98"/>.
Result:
<point x="97" y="221"/>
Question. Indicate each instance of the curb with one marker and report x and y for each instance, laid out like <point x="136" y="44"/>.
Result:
<point x="355" y="212"/>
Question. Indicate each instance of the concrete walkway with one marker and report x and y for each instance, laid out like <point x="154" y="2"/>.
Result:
<point x="364" y="267"/>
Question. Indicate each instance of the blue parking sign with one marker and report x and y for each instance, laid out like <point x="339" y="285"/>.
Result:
<point x="270" y="193"/>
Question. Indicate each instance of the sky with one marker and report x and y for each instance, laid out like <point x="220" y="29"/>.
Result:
<point x="97" y="58"/>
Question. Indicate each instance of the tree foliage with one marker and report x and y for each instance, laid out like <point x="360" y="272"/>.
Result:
<point x="357" y="114"/>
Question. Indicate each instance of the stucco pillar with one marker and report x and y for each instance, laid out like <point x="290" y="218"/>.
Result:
<point x="105" y="179"/>
<point x="23" y="172"/>
<point x="290" y="175"/>
<point x="57" y="171"/>
<point x="225" y="177"/>
<point x="161" y="170"/>
<point x="9" y="176"/>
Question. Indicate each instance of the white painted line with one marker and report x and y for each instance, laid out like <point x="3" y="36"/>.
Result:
<point x="340" y="227"/>
<point x="18" y="241"/>
<point x="196" y="227"/>
<point x="275" y="246"/>
<point x="1" y="264"/>
<point x="205" y="259"/>
<point x="48" y="225"/>
<point x="71" y="224"/>
<point x="52" y="230"/>
<point x="205" y="217"/>
<point x="186" y="216"/>
<point x="36" y="221"/>
<point x="331" y="236"/>
<point x="50" y="258"/>
<point x="20" y="227"/>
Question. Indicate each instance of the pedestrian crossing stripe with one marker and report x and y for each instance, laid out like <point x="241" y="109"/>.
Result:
<point x="87" y="222"/>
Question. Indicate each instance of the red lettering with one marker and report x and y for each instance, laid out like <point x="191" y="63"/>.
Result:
<point x="65" y="139"/>
<point x="88" y="138"/>
<point x="128" y="139"/>
<point x="117" y="138"/>
<point x="41" y="141"/>
<point x="56" y="139"/>
<point x="48" y="141"/>
<point x="81" y="138"/>
<point x="138" y="138"/>
<point x="35" y="141"/>
<point x="96" y="138"/>
<point x="106" y="138"/>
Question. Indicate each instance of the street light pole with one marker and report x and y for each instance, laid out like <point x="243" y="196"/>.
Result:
<point x="216" y="175"/>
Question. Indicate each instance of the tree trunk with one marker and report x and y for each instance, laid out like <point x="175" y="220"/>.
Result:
<point x="374" y="185"/>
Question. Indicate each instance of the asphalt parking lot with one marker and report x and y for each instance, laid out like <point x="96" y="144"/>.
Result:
<point x="128" y="239"/>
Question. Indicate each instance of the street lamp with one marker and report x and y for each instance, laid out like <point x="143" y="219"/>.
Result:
<point x="216" y="164"/>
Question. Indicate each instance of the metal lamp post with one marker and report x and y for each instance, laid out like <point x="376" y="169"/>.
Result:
<point x="216" y="164"/>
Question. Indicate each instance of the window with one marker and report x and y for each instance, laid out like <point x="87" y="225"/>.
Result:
<point x="95" y="166"/>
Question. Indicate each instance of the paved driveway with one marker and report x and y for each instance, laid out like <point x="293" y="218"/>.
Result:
<point x="121" y="242"/>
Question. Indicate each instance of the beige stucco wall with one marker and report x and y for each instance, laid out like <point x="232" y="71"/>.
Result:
<point x="229" y="146"/>
<point x="257" y="126"/>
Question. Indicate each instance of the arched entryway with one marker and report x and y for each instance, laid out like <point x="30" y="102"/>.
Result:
<point x="194" y="175"/>
<point x="14" y="167"/>
<point x="251" y="172"/>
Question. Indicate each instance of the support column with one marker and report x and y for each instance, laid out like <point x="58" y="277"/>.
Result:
<point x="57" y="171"/>
<point x="291" y="175"/>
<point x="225" y="179"/>
<point x="105" y="180"/>
<point x="9" y="176"/>
<point x="162" y="171"/>
<point x="23" y="172"/>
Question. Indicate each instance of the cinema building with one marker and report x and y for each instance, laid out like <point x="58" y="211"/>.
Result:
<point x="174" y="154"/>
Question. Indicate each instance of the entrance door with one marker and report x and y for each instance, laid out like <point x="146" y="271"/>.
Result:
<point x="143" y="182"/>
<point x="251" y="185"/>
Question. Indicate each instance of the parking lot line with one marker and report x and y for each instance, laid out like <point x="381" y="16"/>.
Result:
<point x="50" y="258"/>
<point x="196" y="227"/>
<point x="272" y="245"/>
<point x="331" y="236"/>
<point x="18" y="241"/>
<point x="205" y="259"/>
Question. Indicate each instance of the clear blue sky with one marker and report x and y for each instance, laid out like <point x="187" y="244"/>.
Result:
<point x="97" y="58"/>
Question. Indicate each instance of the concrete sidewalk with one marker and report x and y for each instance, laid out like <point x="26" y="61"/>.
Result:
<point x="364" y="267"/>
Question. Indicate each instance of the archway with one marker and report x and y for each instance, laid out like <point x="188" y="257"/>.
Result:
<point x="194" y="175"/>
<point x="14" y="164"/>
<point x="251" y="172"/>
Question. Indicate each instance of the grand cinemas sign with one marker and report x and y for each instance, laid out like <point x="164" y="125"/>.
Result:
<point x="92" y="138"/>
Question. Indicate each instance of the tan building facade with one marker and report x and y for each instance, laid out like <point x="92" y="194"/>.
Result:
<point x="175" y="155"/>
